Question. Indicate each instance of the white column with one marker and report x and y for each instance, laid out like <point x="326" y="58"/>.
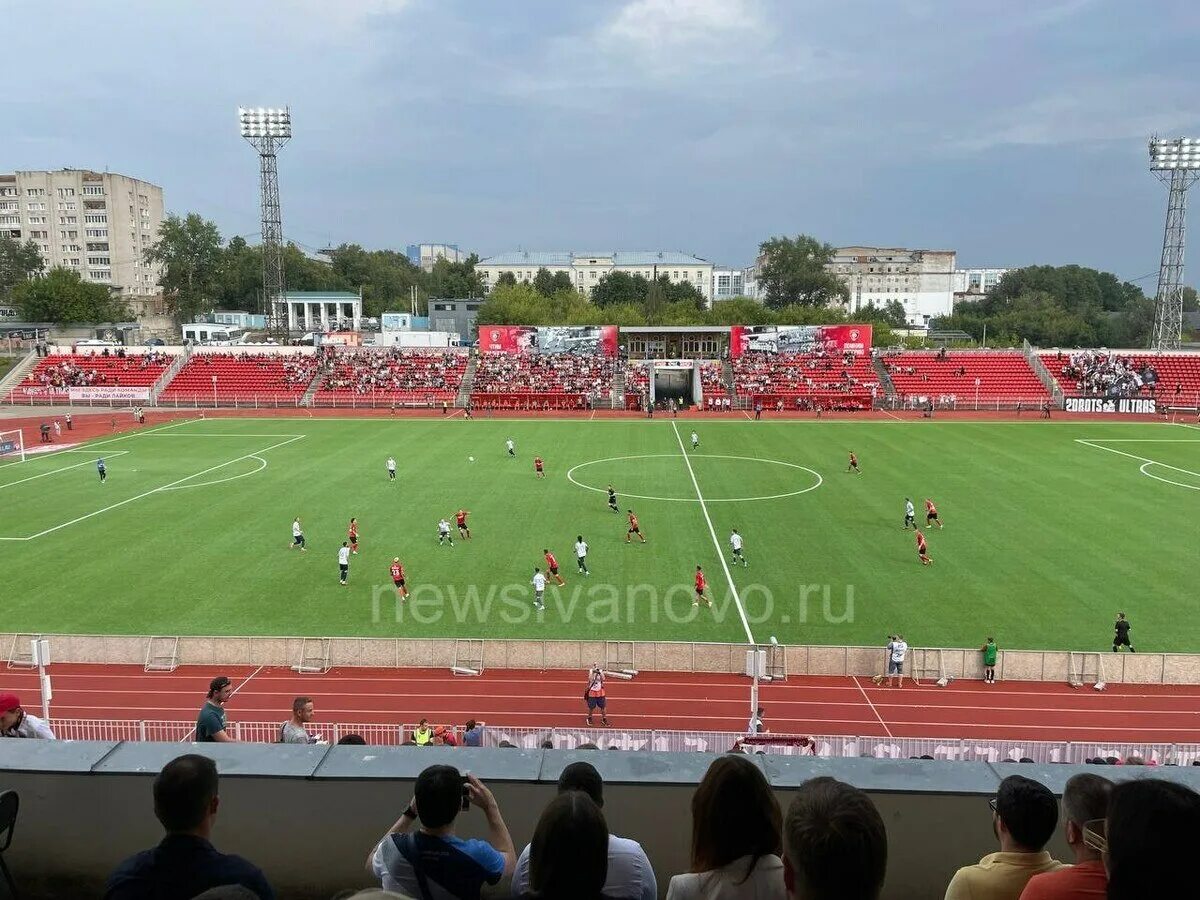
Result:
<point x="291" y="316"/>
<point x="324" y="317"/>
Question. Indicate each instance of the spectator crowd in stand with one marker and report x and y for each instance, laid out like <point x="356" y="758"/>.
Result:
<point x="1105" y="373"/>
<point x="770" y="373"/>
<point x="395" y="370"/>
<point x="89" y="370"/>
<point x="292" y="371"/>
<point x="544" y="373"/>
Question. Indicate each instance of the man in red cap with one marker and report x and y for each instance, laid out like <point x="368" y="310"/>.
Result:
<point x="16" y="723"/>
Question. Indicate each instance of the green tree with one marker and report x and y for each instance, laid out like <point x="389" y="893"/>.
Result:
<point x="506" y="279"/>
<point x="18" y="262"/>
<point x="1189" y="300"/>
<point x="620" y="287"/>
<point x="562" y="282"/>
<point x="189" y="251"/>
<point x="655" y="303"/>
<point x="454" y="279"/>
<point x="892" y="314"/>
<point x="543" y="282"/>
<point x="738" y="311"/>
<point x="793" y="272"/>
<point x="63" y="297"/>
<point x="681" y="292"/>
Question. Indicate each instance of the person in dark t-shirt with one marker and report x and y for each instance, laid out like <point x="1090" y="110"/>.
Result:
<point x="1121" y="633"/>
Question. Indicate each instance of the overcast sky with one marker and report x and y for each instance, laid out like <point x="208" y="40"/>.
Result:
<point x="1013" y="132"/>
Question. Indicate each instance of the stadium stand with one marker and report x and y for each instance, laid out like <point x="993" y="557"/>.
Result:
<point x="541" y="381"/>
<point x="712" y="379"/>
<point x="802" y="380"/>
<point x="397" y="375"/>
<point x="242" y="376"/>
<point x="64" y="371"/>
<point x="949" y="377"/>
<point x="1169" y="377"/>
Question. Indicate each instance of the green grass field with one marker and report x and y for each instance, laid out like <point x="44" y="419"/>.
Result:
<point x="1045" y="537"/>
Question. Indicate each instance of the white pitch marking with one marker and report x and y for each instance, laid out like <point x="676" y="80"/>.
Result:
<point x="713" y="533"/>
<point x="63" y="469"/>
<point x="183" y="487"/>
<point x="775" y="462"/>
<point x="157" y="489"/>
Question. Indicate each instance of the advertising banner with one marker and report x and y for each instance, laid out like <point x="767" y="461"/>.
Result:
<point x="506" y="338"/>
<point x="1112" y="405"/>
<point x="854" y="339"/>
<point x="582" y="340"/>
<point x="39" y="392"/>
<point x="115" y="392"/>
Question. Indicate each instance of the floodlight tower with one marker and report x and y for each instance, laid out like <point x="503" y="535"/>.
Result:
<point x="268" y="130"/>
<point x="1176" y="162"/>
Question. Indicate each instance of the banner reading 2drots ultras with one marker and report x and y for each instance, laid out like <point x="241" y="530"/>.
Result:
<point x="854" y="339"/>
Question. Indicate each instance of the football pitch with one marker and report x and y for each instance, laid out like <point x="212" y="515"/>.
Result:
<point x="1050" y="528"/>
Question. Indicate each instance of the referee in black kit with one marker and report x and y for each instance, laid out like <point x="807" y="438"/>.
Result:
<point x="1121" y="633"/>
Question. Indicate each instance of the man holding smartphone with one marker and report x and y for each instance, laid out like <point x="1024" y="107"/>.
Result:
<point x="432" y="862"/>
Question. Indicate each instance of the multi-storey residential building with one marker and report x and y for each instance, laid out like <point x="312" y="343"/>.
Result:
<point x="977" y="281"/>
<point x="97" y="224"/>
<point x="425" y="255"/>
<point x="922" y="281"/>
<point x="728" y="283"/>
<point x="586" y="269"/>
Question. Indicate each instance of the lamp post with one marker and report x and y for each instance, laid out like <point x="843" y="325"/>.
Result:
<point x="1176" y="163"/>
<point x="267" y="129"/>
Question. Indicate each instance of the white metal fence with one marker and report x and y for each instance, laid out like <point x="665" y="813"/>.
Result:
<point x="993" y="750"/>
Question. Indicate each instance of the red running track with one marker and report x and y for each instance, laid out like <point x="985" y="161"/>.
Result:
<point x="655" y="700"/>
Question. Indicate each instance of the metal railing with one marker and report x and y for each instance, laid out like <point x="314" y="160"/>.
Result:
<point x="991" y="750"/>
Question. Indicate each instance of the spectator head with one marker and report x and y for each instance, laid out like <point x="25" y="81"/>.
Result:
<point x="568" y="856"/>
<point x="185" y="795"/>
<point x="470" y="726"/>
<point x="10" y="711"/>
<point x="835" y="844"/>
<point x="1025" y="814"/>
<point x="507" y="745"/>
<point x="587" y="745"/>
<point x="302" y="709"/>
<point x="1085" y="799"/>
<point x="582" y="776"/>
<point x="438" y="794"/>
<point x="547" y="744"/>
<point x="734" y="814"/>
<point x="353" y="739"/>
<point x="1150" y="832"/>
<point x="220" y="689"/>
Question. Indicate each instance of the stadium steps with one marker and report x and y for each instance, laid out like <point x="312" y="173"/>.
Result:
<point x="727" y="379"/>
<point x="618" y="388"/>
<point x="17" y="373"/>
<point x="165" y="379"/>
<point x="1039" y="368"/>
<point x="467" y="384"/>
<point x="889" y="389"/>
<point x="317" y="382"/>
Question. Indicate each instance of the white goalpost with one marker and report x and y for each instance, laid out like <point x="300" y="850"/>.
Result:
<point x="12" y="447"/>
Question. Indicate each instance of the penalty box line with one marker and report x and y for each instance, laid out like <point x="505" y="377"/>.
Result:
<point x="713" y="534"/>
<point x="156" y="490"/>
<point x="1142" y="459"/>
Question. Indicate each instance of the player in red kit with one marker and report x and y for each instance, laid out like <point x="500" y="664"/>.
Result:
<point x="931" y="516"/>
<point x="634" y="528"/>
<point x="701" y="584"/>
<point x="923" y="550"/>
<point x="539" y="467"/>
<point x="853" y="467"/>
<point x="461" y="518"/>
<point x="398" y="578"/>
<point x="352" y="534"/>
<point x="552" y="567"/>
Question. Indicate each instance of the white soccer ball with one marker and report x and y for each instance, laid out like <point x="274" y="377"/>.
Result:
<point x="470" y="459"/>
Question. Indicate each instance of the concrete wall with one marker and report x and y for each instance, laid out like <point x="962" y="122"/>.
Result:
<point x="310" y="815"/>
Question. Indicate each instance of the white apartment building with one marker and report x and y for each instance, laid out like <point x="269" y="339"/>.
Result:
<point x="97" y="224"/>
<point x="425" y="255"/>
<point x="923" y="281"/>
<point x="977" y="281"/>
<point x="728" y="283"/>
<point x="586" y="269"/>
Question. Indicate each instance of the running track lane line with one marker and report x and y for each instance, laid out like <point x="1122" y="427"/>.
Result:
<point x="245" y="682"/>
<point x="713" y="533"/>
<point x="156" y="490"/>
<point x="858" y="684"/>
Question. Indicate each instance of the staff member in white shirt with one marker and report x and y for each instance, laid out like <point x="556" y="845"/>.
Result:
<point x="896" y="648"/>
<point x="16" y="723"/>
<point x="344" y="562"/>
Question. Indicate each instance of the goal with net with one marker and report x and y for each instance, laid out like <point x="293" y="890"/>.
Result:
<point x="12" y="447"/>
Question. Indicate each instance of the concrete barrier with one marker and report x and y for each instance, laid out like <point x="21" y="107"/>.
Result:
<point x="667" y="656"/>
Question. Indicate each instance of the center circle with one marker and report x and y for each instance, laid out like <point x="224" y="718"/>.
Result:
<point x="754" y="459"/>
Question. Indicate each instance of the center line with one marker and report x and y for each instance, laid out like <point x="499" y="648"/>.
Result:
<point x="858" y="684"/>
<point x="716" y="543"/>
